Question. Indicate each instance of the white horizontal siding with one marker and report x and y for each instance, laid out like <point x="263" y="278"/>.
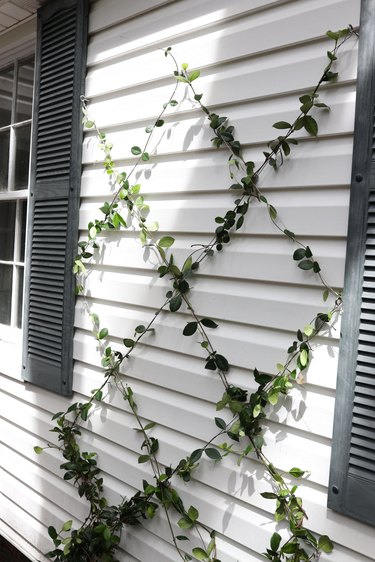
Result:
<point x="325" y="163"/>
<point x="256" y="59"/>
<point x="109" y="439"/>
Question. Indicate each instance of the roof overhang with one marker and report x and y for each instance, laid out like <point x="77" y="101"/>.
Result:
<point x="14" y="12"/>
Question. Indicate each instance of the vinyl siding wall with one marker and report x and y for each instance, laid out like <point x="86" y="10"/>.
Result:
<point x="256" y="58"/>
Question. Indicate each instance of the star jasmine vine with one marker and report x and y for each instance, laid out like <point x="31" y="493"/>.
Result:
<point x="97" y="538"/>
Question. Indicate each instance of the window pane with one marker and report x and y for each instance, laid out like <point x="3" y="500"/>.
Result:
<point x="4" y="159"/>
<point x="22" y="156"/>
<point x="7" y="225"/>
<point x="6" y="95"/>
<point x="25" y="90"/>
<point x="20" y="297"/>
<point x="23" y="228"/>
<point x="6" y="272"/>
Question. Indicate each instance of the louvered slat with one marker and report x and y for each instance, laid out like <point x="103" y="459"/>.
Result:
<point x="58" y="35"/>
<point x="55" y="180"/>
<point x="362" y="440"/>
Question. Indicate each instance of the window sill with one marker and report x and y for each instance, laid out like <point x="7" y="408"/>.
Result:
<point x="10" y="335"/>
<point x="11" y="353"/>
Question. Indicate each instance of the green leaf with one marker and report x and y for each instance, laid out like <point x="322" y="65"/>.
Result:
<point x="286" y="148"/>
<point x="85" y="410"/>
<point x="275" y="541"/>
<point x="135" y="189"/>
<point x="89" y="124"/>
<point x="305" y="107"/>
<point x="136" y="150"/>
<point x="221" y="362"/>
<point x="143" y="458"/>
<point x="273" y="397"/>
<point x="52" y="532"/>
<point x="200" y="554"/>
<point x="269" y="495"/>
<point x="240" y="222"/>
<point x="182" y="538"/>
<point x="290" y="548"/>
<point x="190" y="328"/>
<point x="303" y="357"/>
<point x="38" y="450"/>
<point x="208" y="323"/>
<point x="193" y="75"/>
<point x="305" y="98"/>
<point x="182" y="79"/>
<point x="220" y="423"/>
<point x="193" y="513"/>
<point x="308" y="330"/>
<point x="145" y="157"/>
<point x="67" y="526"/>
<point x="185" y="523"/>
<point x="98" y="395"/>
<point x="187" y="265"/>
<point x="298" y="125"/>
<point x="143" y="237"/>
<point x="279" y="514"/>
<point x="183" y="286"/>
<point x="316" y="267"/>
<point x="140" y="329"/>
<point x="175" y="303"/>
<point x="106" y="534"/>
<point x="296" y="472"/>
<point x="333" y="35"/>
<point x="159" y="123"/>
<point x="103" y="333"/>
<point x="198" y="97"/>
<point x="166" y="242"/>
<point x="149" y="425"/>
<point x="211" y="544"/>
<point x="282" y="125"/>
<point x="128" y="342"/>
<point x="261" y="379"/>
<point x="311" y="125"/>
<point x="299" y="254"/>
<point x="272" y="211"/>
<point x="256" y="410"/>
<point x="325" y="295"/>
<point x="306" y="264"/>
<point x="213" y="454"/>
<point x="325" y="544"/>
<point x="196" y="455"/>
<point x="211" y="364"/>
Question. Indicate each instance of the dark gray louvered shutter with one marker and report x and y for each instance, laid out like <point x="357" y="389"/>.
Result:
<point x="54" y="194"/>
<point x="352" y="478"/>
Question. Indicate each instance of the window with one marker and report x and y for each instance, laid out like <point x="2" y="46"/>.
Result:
<point x="16" y="97"/>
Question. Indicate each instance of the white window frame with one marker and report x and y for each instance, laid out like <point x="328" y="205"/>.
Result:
<point x="14" y="49"/>
<point x="12" y="332"/>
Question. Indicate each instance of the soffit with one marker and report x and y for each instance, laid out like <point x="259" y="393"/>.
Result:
<point x="13" y="12"/>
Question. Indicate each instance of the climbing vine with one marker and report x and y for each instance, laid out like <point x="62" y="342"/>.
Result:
<point x="97" y="539"/>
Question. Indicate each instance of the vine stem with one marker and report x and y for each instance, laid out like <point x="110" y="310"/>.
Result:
<point x="115" y="360"/>
<point x="277" y="149"/>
